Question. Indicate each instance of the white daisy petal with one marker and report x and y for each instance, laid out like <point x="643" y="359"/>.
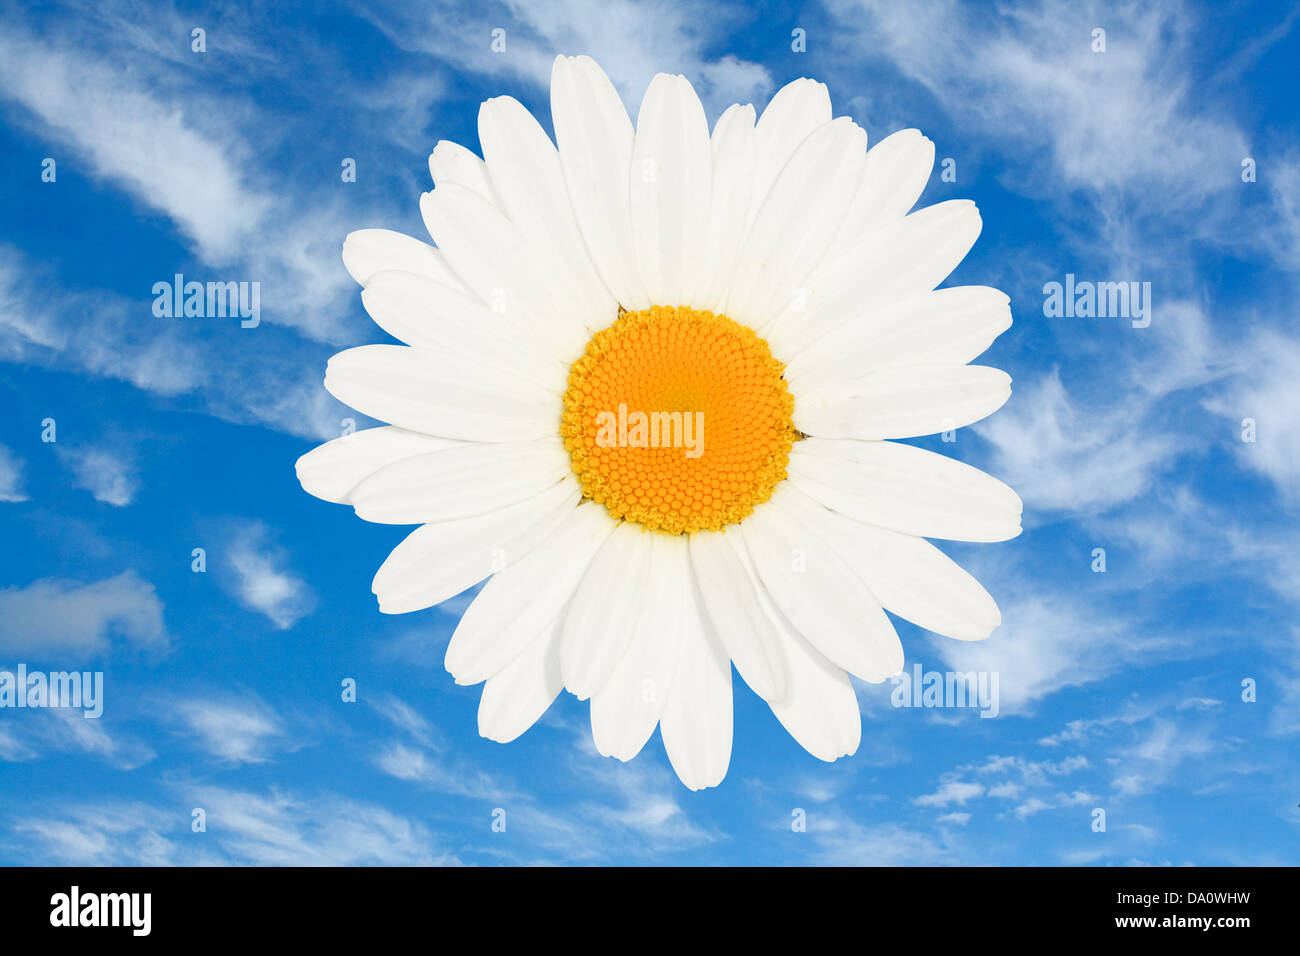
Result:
<point x="498" y="265"/>
<point x="435" y="315"/>
<point x="441" y="395"/>
<point x="906" y="488"/>
<point x="438" y="561"/>
<point x="516" y="696"/>
<point x="728" y="589"/>
<point x="625" y="711"/>
<point x="808" y="581"/>
<point x="697" y="720"/>
<point x="669" y="189"/>
<point x="900" y="260"/>
<point x="524" y="168"/>
<point x="915" y="580"/>
<point x="597" y="630"/>
<point x="907" y="575"/>
<point x="595" y="138"/>
<point x="821" y="711"/>
<point x="732" y="186"/>
<point x="467" y="479"/>
<point x="903" y="402"/>
<point x="794" y="112"/>
<point x="452" y="164"/>
<point x="946" y="325"/>
<point x="368" y="252"/>
<point x="515" y="606"/>
<point x="793" y="228"/>
<point x="330" y="471"/>
<point x="895" y="174"/>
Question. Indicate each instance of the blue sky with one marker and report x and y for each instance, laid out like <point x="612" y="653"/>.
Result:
<point x="1119" y="691"/>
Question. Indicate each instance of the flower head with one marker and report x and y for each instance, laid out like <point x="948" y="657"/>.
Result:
<point x="652" y="386"/>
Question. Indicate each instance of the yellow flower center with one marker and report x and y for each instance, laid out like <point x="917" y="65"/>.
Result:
<point x="678" y="420"/>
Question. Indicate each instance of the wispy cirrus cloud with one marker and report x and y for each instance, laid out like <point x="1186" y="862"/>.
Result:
<point x="1268" y="394"/>
<point x="632" y="40"/>
<point x="1031" y="74"/>
<point x="282" y="829"/>
<point x="132" y="137"/>
<point x="256" y="571"/>
<point x="11" y="476"/>
<point x="841" y="840"/>
<point x="54" y="731"/>
<point x="1049" y="640"/>
<point x="1061" y="456"/>
<point x="275" y="381"/>
<point x="951" y="791"/>
<point x="245" y="828"/>
<point x="237" y="729"/>
<point x="182" y="150"/>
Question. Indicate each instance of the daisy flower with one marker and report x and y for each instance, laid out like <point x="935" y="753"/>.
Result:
<point x="651" y="387"/>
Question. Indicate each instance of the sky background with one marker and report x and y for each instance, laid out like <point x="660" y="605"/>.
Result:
<point x="1119" y="690"/>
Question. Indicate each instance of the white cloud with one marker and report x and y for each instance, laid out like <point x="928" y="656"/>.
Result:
<point x="277" y="384"/>
<point x="542" y="836"/>
<point x="1125" y="128"/>
<point x="1015" y="775"/>
<point x="1200" y="703"/>
<point x="414" y="757"/>
<point x="1030" y="807"/>
<point x="1031" y="772"/>
<point x="631" y="40"/>
<point x="57" y="617"/>
<point x="148" y="145"/>
<point x="406" y="763"/>
<point x="12" y="747"/>
<point x="1036" y="805"/>
<point x="181" y="149"/>
<point x="241" y="729"/>
<point x="1085" y="730"/>
<point x="1268" y="391"/>
<point x="107" y="473"/>
<point x="1152" y="760"/>
<point x="1049" y="640"/>
<point x="94" y="333"/>
<point x="1284" y="187"/>
<point x="951" y="791"/>
<point x="842" y="841"/>
<point x="66" y="731"/>
<point x="261" y="581"/>
<point x="1145" y="745"/>
<point x="642" y="799"/>
<point x="281" y="830"/>
<point x="405" y="717"/>
<point x="419" y="765"/>
<point x="244" y="828"/>
<point x="11" y="476"/>
<point x="107" y="834"/>
<point x="1060" y="457"/>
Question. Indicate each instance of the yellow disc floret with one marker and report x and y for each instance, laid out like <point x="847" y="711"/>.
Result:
<point x="678" y="419"/>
